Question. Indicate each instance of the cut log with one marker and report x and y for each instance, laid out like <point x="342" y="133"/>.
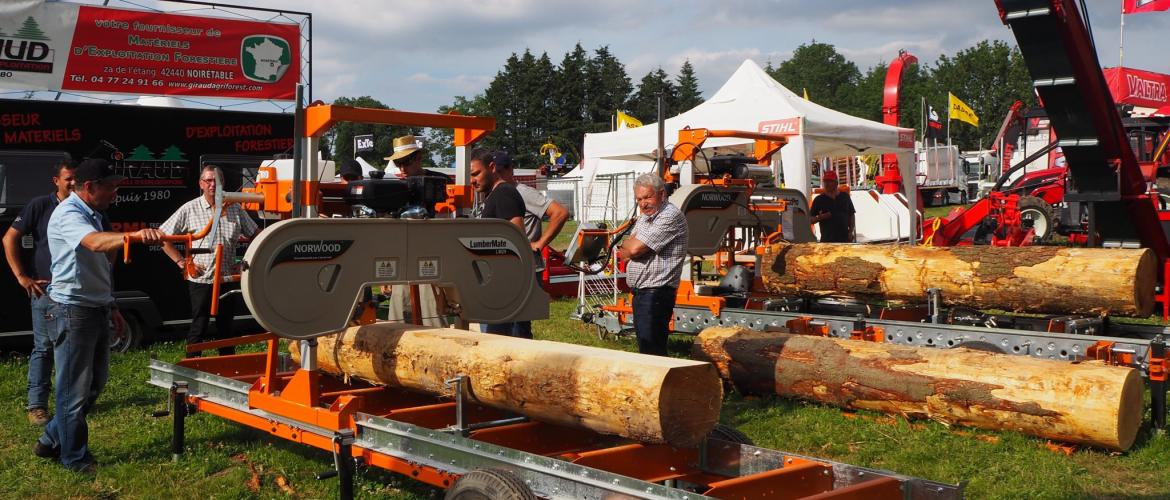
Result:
<point x="1089" y="402"/>
<point x="1023" y="279"/>
<point x="648" y="398"/>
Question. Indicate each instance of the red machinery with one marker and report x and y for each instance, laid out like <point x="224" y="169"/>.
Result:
<point x="890" y="179"/>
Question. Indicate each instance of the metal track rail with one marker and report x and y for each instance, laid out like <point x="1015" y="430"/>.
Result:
<point x="1056" y="346"/>
<point x="377" y="439"/>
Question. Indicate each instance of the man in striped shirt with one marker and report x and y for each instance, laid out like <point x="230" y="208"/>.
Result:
<point x="200" y="270"/>
<point x="656" y="250"/>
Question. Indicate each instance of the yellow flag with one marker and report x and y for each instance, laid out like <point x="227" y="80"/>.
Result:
<point x="806" y="93"/>
<point x="627" y="121"/>
<point x="961" y="111"/>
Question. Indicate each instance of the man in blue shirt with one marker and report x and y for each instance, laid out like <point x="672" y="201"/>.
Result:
<point x="82" y="307"/>
<point x="33" y="222"/>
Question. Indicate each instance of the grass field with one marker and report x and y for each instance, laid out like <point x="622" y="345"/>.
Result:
<point x="225" y="460"/>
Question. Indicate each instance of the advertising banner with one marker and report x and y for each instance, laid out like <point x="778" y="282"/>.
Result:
<point x="1139" y="88"/>
<point x="73" y="47"/>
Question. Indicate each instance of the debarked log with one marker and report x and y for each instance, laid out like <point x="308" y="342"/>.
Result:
<point x="1023" y="279"/>
<point x="647" y="398"/>
<point x="1086" y="402"/>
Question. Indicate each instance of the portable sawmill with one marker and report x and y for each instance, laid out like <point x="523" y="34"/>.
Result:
<point x="303" y="279"/>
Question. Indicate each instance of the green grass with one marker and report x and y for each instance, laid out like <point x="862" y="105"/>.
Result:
<point x="134" y="447"/>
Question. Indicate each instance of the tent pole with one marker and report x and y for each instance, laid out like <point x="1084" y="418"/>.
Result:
<point x="661" y="138"/>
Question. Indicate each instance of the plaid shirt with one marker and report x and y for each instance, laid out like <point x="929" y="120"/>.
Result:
<point x="193" y="216"/>
<point x="665" y="233"/>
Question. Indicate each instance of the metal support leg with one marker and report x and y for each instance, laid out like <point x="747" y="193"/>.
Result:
<point x="458" y="382"/>
<point x="461" y="426"/>
<point x="343" y="466"/>
<point x="1158" y="383"/>
<point x="934" y="305"/>
<point x="178" y="432"/>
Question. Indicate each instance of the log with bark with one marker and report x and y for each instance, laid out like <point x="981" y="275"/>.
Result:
<point x="1023" y="279"/>
<point x="1088" y="402"/>
<point x="648" y="398"/>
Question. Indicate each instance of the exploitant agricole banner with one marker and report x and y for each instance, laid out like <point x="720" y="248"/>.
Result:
<point x="64" y="46"/>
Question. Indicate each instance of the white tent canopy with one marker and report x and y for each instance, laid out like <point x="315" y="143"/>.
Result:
<point x="751" y="100"/>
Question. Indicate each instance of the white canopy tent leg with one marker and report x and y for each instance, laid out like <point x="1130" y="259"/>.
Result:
<point x="795" y="162"/>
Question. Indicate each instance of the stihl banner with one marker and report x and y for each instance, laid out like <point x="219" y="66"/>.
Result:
<point x="1137" y="87"/>
<point x="1139" y="6"/>
<point x="64" y="46"/>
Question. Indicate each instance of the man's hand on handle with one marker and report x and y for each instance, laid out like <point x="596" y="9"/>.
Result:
<point x="149" y="236"/>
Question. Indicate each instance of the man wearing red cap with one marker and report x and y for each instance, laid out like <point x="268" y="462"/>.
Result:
<point x="833" y="211"/>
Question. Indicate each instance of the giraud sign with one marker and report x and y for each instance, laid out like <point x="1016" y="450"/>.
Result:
<point x="67" y="46"/>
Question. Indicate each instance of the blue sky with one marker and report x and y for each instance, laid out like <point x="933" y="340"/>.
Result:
<point x="418" y="55"/>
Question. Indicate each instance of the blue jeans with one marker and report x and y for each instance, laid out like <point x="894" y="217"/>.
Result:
<point x="40" y="361"/>
<point x="519" y="329"/>
<point x="81" y="336"/>
<point x="653" y="308"/>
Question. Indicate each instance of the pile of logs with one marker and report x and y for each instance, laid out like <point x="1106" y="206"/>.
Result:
<point x="648" y="398"/>
<point x="1087" y="402"/>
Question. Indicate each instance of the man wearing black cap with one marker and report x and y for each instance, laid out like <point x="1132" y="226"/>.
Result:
<point x="33" y="221"/>
<point x="501" y="201"/>
<point x="83" y="306"/>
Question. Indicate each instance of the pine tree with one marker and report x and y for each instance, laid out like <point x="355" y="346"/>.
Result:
<point x="643" y="105"/>
<point x="30" y="30"/>
<point x="570" y="102"/>
<point x="688" y="87"/>
<point x="608" y="87"/>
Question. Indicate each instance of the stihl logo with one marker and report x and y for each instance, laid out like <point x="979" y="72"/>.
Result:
<point x="1146" y="89"/>
<point x="787" y="126"/>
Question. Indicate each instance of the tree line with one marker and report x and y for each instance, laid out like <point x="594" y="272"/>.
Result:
<point x="535" y="101"/>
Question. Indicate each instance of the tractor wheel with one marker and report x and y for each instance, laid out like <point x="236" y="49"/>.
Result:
<point x="1037" y="214"/>
<point x="135" y="334"/>
<point x="490" y="484"/>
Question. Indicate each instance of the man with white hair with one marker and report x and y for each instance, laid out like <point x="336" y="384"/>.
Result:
<point x="656" y="250"/>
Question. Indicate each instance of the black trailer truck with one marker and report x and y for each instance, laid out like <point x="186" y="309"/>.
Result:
<point x="160" y="151"/>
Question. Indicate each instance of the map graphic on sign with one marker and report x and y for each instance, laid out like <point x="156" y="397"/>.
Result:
<point x="264" y="58"/>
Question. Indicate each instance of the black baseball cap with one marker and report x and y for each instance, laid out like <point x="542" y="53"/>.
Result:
<point x="502" y="159"/>
<point x="96" y="169"/>
<point x="351" y="167"/>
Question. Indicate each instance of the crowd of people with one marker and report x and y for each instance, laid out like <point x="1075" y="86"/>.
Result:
<point x="70" y="288"/>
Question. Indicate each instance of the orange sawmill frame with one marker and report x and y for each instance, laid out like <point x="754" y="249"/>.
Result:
<point x="328" y="403"/>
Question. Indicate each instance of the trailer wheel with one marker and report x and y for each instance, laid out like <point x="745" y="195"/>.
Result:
<point x="134" y="334"/>
<point x="730" y="434"/>
<point x="1037" y="214"/>
<point x="490" y="484"/>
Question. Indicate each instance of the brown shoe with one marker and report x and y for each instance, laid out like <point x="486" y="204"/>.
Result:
<point x="43" y="451"/>
<point x="38" y="416"/>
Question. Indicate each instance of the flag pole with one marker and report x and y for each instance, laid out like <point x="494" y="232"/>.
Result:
<point x="1121" y="41"/>
<point x="949" y="106"/>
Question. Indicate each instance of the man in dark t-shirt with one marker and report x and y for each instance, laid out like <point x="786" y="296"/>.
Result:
<point x="833" y="211"/>
<point x="33" y="224"/>
<point x="501" y="201"/>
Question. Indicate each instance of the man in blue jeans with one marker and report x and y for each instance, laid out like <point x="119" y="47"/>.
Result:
<point x="656" y="250"/>
<point x="81" y="310"/>
<point x="33" y="224"/>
